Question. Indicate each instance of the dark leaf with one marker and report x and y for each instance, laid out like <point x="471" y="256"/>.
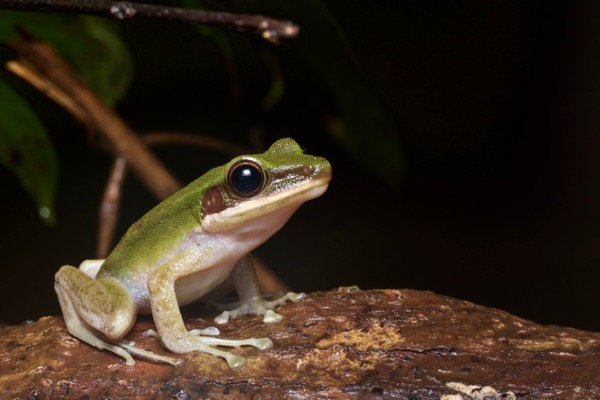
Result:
<point x="26" y="150"/>
<point x="360" y="121"/>
<point x="354" y="114"/>
<point x="93" y="45"/>
<point x="95" y="48"/>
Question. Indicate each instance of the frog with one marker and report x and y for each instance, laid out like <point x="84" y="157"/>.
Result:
<point x="188" y="247"/>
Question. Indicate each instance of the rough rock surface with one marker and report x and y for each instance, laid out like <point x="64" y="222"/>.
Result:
<point x="342" y="344"/>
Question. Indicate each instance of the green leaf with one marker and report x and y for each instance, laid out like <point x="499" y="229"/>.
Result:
<point x="26" y="150"/>
<point x="107" y="65"/>
<point x="93" y="45"/>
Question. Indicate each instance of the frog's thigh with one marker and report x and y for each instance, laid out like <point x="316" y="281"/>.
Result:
<point x="104" y="304"/>
<point x="78" y="328"/>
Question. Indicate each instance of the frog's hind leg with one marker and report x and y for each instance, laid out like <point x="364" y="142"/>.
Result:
<point x="102" y="305"/>
<point x="87" y="304"/>
<point x="78" y="328"/>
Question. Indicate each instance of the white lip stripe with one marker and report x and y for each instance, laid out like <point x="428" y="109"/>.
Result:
<point x="252" y="208"/>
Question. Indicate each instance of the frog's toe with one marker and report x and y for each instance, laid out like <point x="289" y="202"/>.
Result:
<point x="272" y="317"/>
<point x="222" y="318"/>
<point x="131" y="348"/>
<point x="235" y="362"/>
<point x="294" y="297"/>
<point x="263" y="343"/>
<point x="210" y="331"/>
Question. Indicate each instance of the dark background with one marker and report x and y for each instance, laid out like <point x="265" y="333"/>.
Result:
<point x="497" y="104"/>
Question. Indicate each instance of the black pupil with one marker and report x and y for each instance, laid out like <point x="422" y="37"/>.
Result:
<point x="246" y="179"/>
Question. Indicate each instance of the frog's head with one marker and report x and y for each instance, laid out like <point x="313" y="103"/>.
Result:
<point x="260" y="192"/>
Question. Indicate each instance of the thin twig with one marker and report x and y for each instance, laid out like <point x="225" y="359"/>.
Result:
<point x="268" y="28"/>
<point x="25" y="71"/>
<point x="110" y="207"/>
<point x="231" y="149"/>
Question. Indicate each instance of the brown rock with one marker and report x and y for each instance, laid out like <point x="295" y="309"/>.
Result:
<point x="402" y="344"/>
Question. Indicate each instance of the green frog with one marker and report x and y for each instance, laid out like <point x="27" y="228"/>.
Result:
<point x="187" y="247"/>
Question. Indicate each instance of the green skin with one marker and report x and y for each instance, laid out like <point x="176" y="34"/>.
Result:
<point x="188" y="246"/>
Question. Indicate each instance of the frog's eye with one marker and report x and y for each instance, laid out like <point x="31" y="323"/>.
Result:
<point x="246" y="178"/>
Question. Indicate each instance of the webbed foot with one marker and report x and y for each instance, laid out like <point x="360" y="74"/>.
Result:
<point x="257" y="305"/>
<point x="195" y="341"/>
<point x="130" y="347"/>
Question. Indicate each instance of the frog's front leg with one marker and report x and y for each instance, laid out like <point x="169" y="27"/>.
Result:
<point x="170" y="326"/>
<point x="251" y="300"/>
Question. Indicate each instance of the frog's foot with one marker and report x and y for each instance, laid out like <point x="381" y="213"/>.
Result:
<point x="196" y="342"/>
<point x="136" y="351"/>
<point x="258" y="306"/>
<point x="210" y="331"/>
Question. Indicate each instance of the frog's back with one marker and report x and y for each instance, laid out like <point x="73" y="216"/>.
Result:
<point x="156" y="235"/>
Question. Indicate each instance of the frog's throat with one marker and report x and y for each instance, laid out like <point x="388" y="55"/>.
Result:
<point x="249" y="210"/>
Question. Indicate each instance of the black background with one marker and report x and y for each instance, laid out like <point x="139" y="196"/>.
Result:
<point x="497" y="105"/>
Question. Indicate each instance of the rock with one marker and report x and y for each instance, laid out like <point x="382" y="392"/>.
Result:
<point x="393" y="344"/>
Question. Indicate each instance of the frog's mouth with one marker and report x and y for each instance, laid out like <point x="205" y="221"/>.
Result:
<point x="273" y="209"/>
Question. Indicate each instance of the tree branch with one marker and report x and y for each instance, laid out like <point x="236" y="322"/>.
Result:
<point x="344" y="344"/>
<point x="46" y="87"/>
<point x="43" y="61"/>
<point x="110" y="207"/>
<point x="268" y="28"/>
<point x="207" y="142"/>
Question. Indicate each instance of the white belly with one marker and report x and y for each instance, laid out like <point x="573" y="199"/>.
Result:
<point x="192" y="287"/>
